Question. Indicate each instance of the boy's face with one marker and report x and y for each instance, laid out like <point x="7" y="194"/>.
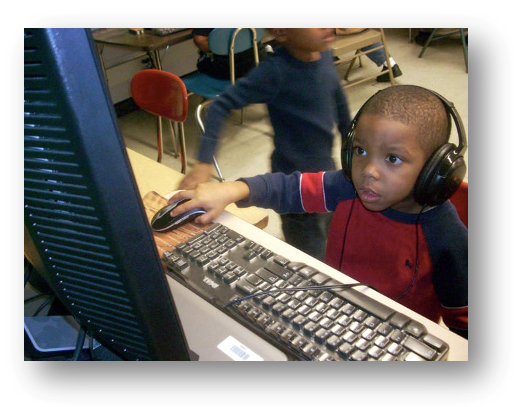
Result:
<point x="387" y="160"/>
<point x="305" y="43"/>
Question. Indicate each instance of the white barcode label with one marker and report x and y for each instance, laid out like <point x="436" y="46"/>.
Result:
<point x="235" y="350"/>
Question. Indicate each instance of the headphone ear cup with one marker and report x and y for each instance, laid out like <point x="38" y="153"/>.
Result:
<point x="346" y="155"/>
<point x="440" y="177"/>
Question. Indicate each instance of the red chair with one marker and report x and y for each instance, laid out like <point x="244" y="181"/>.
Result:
<point x="460" y="200"/>
<point x="164" y="95"/>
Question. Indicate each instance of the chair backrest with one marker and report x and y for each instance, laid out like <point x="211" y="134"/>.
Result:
<point x="161" y="93"/>
<point x="230" y="41"/>
<point x="220" y="39"/>
<point x="460" y="200"/>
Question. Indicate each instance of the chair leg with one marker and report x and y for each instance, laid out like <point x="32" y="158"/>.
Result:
<point x="426" y="43"/>
<point x="388" y="57"/>
<point x="218" y="170"/>
<point x="159" y="139"/>
<point x="352" y="63"/>
<point x="198" y="114"/>
<point x="464" y="47"/>
<point x="174" y="137"/>
<point x="182" y="144"/>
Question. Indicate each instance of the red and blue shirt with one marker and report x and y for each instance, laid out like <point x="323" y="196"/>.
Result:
<point x="379" y="248"/>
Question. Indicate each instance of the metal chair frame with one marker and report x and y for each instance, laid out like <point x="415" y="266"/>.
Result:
<point x="434" y="37"/>
<point x="354" y="42"/>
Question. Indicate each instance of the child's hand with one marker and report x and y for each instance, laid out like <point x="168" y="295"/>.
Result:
<point x="201" y="172"/>
<point x="211" y="196"/>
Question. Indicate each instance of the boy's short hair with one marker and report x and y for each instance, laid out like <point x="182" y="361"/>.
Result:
<point x="414" y="106"/>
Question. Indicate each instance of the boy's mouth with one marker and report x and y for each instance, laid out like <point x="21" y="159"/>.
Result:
<point x="329" y="38"/>
<point x="368" y="196"/>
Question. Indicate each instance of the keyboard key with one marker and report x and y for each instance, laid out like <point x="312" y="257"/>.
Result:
<point x="267" y="276"/>
<point x="359" y="355"/>
<point x="282" y="261"/>
<point x="278" y="270"/>
<point x="416" y="329"/>
<point x="288" y="335"/>
<point x="307" y="271"/>
<point x="253" y="279"/>
<point x="367" y="303"/>
<point x="245" y="287"/>
<point x="420" y="348"/>
<point x="321" y="335"/>
<point x="249" y="255"/>
<point x="320" y="279"/>
<point x="333" y="342"/>
<point x="345" y="350"/>
<point x="375" y="352"/>
<point x="399" y="320"/>
<point x="434" y="342"/>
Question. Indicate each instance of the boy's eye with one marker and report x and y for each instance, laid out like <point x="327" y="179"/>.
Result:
<point x="393" y="159"/>
<point x="359" y="151"/>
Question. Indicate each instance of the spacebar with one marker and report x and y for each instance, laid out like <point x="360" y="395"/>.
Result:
<point x="367" y="303"/>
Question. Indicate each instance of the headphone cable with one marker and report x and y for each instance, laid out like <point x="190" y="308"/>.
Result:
<point x="415" y="277"/>
<point x="345" y="232"/>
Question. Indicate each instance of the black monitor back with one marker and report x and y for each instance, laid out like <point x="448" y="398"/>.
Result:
<point x="83" y="211"/>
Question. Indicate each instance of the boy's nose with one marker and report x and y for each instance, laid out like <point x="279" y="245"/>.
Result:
<point x="371" y="170"/>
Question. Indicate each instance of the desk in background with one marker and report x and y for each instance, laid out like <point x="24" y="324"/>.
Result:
<point x="153" y="176"/>
<point x="146" y="41"/>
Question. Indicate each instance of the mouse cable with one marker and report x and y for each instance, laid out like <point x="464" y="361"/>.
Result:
<point x="294" y="289"/>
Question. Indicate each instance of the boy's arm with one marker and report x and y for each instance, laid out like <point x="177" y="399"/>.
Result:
<point x="448" y="244"/>
<point x="259" y="86"/>
<point x="297" y="192"/>
<point x="294" y="193"/>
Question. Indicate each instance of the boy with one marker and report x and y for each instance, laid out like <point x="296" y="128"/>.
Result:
<point x="302" y="90"/>
<point x="379" y="234"/>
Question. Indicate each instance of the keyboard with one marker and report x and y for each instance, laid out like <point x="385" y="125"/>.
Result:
<point x="298" y="309"/>
<point x="162" y="32"/>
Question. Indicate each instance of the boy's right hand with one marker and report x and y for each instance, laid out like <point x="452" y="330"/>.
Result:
<point x="211" y="196"/>
<point x="201" y="172"/>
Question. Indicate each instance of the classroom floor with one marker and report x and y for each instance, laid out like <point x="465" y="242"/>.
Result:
<point x="245" y="148"/>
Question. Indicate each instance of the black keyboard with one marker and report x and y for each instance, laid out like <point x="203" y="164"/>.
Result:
<point x="301" y="311"/>
<point x="162" y="32"/>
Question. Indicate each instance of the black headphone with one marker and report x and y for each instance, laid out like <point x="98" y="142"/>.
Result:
<point x="443" y="172"/>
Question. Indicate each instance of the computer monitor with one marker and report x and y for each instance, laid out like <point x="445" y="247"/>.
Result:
<point x="83" y="213"/>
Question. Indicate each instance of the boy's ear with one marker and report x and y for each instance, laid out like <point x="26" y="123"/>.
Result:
<point x="280" y="34"/>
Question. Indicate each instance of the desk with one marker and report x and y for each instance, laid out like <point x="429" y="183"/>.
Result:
<point x="153" y="176"/>
<point x="147" y="42"/>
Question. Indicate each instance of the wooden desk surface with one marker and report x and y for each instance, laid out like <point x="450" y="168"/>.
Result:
<point x="153" y="176"/>
<point x="145" y="41"/>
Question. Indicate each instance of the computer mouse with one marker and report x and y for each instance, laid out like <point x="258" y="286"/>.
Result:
<point x="164" y="222"/>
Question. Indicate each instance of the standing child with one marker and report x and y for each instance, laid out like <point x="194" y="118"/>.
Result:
<point x="393" y="226"/>
<point x="302" y="90"/>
